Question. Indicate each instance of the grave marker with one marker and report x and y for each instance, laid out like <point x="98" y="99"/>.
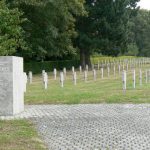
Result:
<point x="134" y="79"/>
<point x="108" y="71"/>
<point x="140" y="76"/>
<point x="93" y="66"/>
<point x="75" y="78"/>
<point x="94" y="74"/>
<point x="146" y="76"/>
<point x="55" y="73"/>
<point x="30" y="77"/>
<point x="127" y="66"/>
<point x="65" y="72"/>
<point x="73" y="69"/>
<point x="25" y="81"/>
<point x="80" y="69"/>
<point x="98" y="65"/>
<point x="85" y="75"/>
<point x="114" y="70"/>
<point x="119" y="69"/>
<point x="124" y="81"/>
<point x="62" y="79"/>
<point x="45" y="77"/>
<point x="102" y="73"/>
<point x="87" y="68"/>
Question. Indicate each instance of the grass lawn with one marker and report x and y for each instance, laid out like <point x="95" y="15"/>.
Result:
<point x="19" y="135"/>
<point x="107" y="90"/>
<point x="95" y="59"/>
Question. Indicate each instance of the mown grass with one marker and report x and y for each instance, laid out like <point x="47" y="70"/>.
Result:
<point x="95" y="59"/>
<point x="19" y="135"/>
<point x="107" y="90"/>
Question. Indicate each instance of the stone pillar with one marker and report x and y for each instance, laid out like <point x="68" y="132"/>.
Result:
<point x="30" y="77"/>
<point x="140" y="76"/>
<point x="55" y="73"/>
<point x="75" y="78"/>
<point x="45" y="79"/>
<point x="87" y="68"/>
<point x="102" y="73"/>
<point x="80" y="69"/>
<point x="146" y="76"/>
<point x="85" y="76"/>
<point x="25" y="81"/>
<point x="114" y="70"/>
<point x="11" y="85"/>
<point x="94" y="75"/>
<point x="65" y="72"/>
<point x="134" y="78"/>
<point x="62" y="79"/>
<point x="124" y="80"/>
<point x="73" y="70"/>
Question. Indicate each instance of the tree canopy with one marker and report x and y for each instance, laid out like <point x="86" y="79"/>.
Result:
<point x="141" y="32"/>
<point x="11" y="32"/>
<point x="44" y="29"/>
<point x="106" y="29"/>
<point x="51" y="26"/>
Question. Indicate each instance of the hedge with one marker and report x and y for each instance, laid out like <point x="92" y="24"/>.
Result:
<point x="37" y="67"/>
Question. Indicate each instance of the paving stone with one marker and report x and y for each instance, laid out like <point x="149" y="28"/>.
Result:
<point x="91" y="127"/>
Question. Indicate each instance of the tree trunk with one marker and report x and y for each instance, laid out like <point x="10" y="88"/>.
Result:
<point x="88" y="59"/>
<point x="85" y="58"/>
<point x="82" y="58"/>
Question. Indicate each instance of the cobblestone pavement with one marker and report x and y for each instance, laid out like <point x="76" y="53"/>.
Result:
<point x="91" y="127"/>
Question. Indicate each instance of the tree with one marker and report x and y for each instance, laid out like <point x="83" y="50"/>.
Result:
<point x="11" y="32"/>
<point x="105" y="29"/>
<point x="51" y="26"/>
<point x="141" y="32"/>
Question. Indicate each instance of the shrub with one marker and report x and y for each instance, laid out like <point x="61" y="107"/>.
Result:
<point x="37" y="67"/>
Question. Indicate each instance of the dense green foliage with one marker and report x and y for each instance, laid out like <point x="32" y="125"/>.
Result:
<point x="106" y="28"/>
<point x="141" y="32"/>
<point x="37" y="67"/>
<point x="11" y="32"/>
<point x="44" y="30"/>
<point x="50" y="26"/>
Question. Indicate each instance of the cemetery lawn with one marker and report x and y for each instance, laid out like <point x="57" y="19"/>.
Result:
<point x="107" y="90"/>
<point x="19" y="135"/>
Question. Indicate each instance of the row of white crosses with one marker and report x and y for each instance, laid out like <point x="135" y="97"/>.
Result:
<point x="125" y="64"/>
<point x="62" y="79"/>
<point x="95" y="73"/>
<point x="44" y="78"/>
<point x="74" y="73"/>
<point x="63" y="74"/>
<point x="124" y="78"/>
<point x="136" y="61"/>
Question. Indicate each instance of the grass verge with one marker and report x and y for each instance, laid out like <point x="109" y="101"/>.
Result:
<point x="19" y="135"/>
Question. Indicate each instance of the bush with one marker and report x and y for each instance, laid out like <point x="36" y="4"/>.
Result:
<point x="37" y="67"/>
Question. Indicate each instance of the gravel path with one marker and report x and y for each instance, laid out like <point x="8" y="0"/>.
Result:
<point x="91" y="127"/>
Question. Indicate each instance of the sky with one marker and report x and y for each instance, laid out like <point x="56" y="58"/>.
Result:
<point x="145" y="4"/>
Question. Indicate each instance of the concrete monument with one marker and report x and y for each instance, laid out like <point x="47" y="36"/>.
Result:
<point x="11" y="85"/>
